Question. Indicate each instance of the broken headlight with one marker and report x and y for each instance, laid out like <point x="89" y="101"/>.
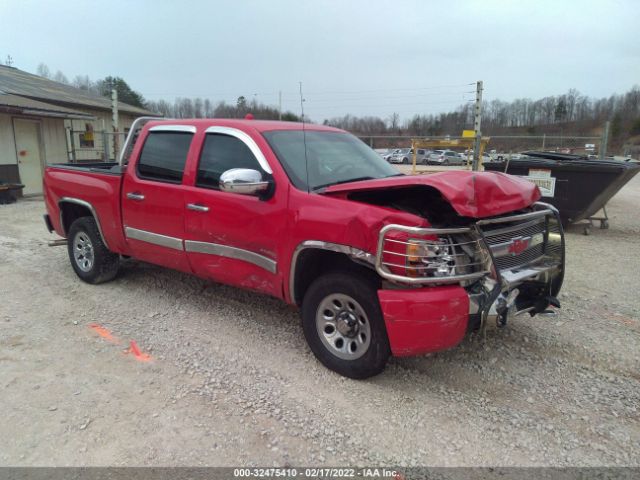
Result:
<point x="430" y="258"/>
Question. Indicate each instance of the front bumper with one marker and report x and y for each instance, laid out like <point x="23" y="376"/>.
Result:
<point x="429" y="319"/>
<point x="424" y="320"/>
<point x="420" y="318"/>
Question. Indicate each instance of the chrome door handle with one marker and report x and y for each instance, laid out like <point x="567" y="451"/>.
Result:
<point x="197" y="208"/>
<point x="135" y="196"/>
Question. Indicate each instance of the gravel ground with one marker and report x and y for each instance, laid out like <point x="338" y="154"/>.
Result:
<point x="230" y="380"/>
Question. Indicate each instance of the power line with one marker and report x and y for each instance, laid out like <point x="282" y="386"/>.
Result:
<point x="330" y="92"/>
<point x="319" y="92"/>
<point x="460" y="94"/>
<point x="377" y="105"/>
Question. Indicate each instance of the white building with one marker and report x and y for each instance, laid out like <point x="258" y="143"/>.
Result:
<point x="42" y="121"/>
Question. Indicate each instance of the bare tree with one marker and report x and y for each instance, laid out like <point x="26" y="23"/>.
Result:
<point x="61" y="78"/>
<point x="83" y="82"/>
<point x="394" y="121"/>
<point x="43" y="70"/>
<point x="198" y="108"/>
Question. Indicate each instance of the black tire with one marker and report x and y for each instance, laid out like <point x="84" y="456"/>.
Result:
<point x="405" y="161"/>
<point x="445" y="162"/>
<point x="100" y="265"/>
<point x="364" y="291"/>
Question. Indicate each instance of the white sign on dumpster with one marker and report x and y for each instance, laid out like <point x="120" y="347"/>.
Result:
<point x="543" y="179"/>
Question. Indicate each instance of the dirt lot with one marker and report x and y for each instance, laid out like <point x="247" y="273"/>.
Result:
<point x="230" y="380"/>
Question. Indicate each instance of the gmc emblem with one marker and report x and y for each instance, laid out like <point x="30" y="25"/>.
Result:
<point x="519" y="245"/>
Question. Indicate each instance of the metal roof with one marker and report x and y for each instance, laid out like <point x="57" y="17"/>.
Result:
<point x="32" y="86"/>
<point x="27" y="106"/>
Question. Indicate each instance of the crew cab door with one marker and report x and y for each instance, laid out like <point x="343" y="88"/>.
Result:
<point x="229" y="237"/>
<point x="153" y="197"/>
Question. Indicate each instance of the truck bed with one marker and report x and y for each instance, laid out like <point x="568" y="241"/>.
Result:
<point x="97" y="184"/>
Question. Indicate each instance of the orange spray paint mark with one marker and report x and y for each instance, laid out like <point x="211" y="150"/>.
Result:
<point x="104" y="333"/>
<point x="137" y="354"/>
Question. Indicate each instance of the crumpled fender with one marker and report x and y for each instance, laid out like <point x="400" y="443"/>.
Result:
<point x="471" y="194"/>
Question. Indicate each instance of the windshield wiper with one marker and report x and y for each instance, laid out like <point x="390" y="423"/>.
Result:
<point x="358" y="179"/>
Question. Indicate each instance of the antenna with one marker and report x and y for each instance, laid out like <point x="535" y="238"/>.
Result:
<point x="304" y="139"/>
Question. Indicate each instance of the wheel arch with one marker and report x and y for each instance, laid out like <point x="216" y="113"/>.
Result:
<point x="73" y="208"/>
<point x="313" y="258"/>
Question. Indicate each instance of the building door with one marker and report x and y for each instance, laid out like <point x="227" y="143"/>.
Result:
<point x="29" y="153"/>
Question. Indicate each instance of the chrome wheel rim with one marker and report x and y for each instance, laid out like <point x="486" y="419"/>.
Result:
<point x="343" y="326"/>
<point x="83" y="251"/>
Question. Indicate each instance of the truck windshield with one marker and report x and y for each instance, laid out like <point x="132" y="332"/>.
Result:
<point x="331" y="158"/>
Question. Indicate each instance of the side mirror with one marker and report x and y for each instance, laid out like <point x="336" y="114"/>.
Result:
<point x="244" y="181"/>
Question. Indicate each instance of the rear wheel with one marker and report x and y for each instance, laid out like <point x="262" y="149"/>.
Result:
<point x="405" y="161"/>
<point x="89" y="256"/>
<point x="343" y="325"/>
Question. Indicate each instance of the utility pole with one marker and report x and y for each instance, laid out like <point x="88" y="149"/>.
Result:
<point x="280" y="105"/>
<point x="605" y="140"/>
<point x="476" y="126"/>
<point x="114" y="121"/>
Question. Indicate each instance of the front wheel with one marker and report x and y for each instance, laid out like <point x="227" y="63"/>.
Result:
<point x="405" y="161"/>
<point x="89" y="256"/>
<point x="344" y="326"/>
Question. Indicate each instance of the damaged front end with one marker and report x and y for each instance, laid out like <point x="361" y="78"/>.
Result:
<point x="508" y="265"/>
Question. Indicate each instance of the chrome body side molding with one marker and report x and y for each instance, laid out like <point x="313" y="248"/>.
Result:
<point x="247" y="140"/>
<point x="202" y="247"/>
<point x="354" y="253"/>
<point x="231" y="252"/>
<point x="154" y="238"/>
<point x="85" y="204"/>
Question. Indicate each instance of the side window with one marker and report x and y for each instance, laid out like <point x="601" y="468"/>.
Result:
<point x="420" y="152"/>
<point x="163" y="156"/>
<point x="219" y="154"/>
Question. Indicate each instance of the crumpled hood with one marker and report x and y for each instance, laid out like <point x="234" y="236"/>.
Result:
<point x="471" y="194"/>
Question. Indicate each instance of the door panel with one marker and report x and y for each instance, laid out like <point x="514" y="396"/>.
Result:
<point x="235" y="241"/>
<point x="29" y="152"/>
<point x="153" y="221"/>
<point x="153" y="199"/>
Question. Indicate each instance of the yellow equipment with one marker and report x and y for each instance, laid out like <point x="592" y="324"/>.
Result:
<point x="466" y="142"/>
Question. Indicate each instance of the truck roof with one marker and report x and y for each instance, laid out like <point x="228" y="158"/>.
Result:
<point x="259" y="125"/>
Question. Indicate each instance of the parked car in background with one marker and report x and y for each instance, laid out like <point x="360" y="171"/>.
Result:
<point x="405" y="156"/>
<point x="390" y="153"/>
<point x="444" y="157"/>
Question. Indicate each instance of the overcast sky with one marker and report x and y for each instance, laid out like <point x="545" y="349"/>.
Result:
<point x="360" y="57"/>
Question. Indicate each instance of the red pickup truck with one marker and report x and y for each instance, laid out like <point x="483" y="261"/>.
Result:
<point x="379" y="263"/>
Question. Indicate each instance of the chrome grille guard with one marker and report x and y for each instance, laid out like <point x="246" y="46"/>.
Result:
<point x="478" y="239"/>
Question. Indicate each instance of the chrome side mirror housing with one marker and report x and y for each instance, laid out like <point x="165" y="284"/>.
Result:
<point x="244" y="181"/>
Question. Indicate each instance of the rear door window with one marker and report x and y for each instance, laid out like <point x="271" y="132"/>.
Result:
<point x="164" y="155"/>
